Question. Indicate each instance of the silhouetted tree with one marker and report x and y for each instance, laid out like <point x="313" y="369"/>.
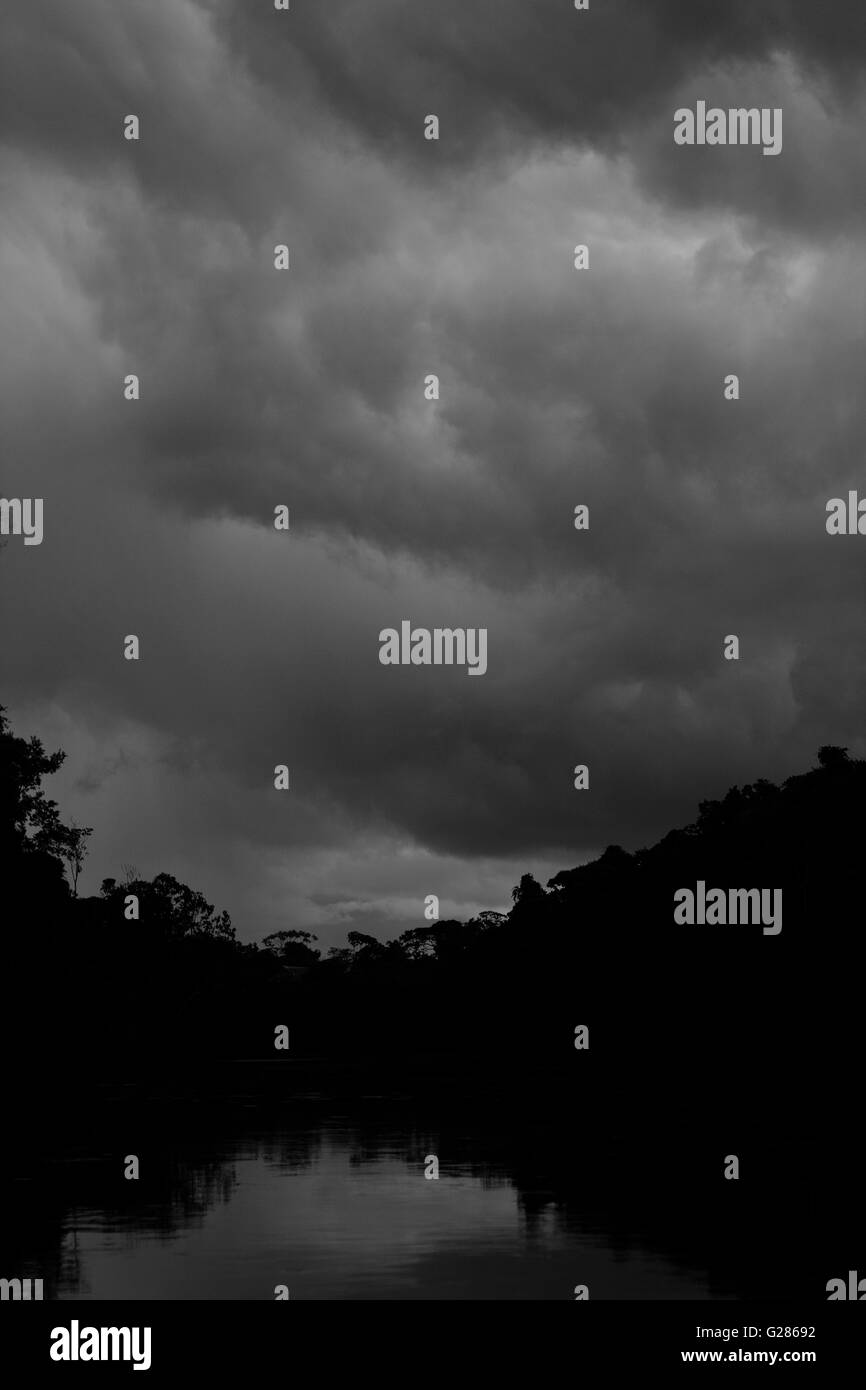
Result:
<point x="529" y="898"/>
<point x="29" y="821"/>
<point x="419" y="943"/>
<point x="831" y="756"/>
<point x="34" y="842"/>
<point x="74" y="853"/>
<point x="292" y="947"/>
<point x="171" y="908"/>
<point x="599" y="944"/>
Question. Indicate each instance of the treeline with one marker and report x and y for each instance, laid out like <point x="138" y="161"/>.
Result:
<point x="586" y="982"/>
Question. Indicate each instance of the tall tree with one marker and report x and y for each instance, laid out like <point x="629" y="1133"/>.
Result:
<point x="30" y="822"/>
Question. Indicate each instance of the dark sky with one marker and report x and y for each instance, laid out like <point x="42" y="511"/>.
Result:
<point x="306" y="388"/>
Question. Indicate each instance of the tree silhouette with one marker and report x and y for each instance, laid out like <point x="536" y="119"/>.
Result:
<point x="292" y="947"/>
<point x="170" y="908"/>
<point x="34" y="841"/>
<point x="599" y="943"/>
<point x="831" y="756"/>
<point x="29" y="821"/>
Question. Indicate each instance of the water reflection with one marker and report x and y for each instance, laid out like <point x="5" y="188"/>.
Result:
<point x="338" y="1212"/>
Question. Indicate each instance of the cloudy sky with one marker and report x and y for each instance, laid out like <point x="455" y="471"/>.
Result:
<point x="306" y="387"/>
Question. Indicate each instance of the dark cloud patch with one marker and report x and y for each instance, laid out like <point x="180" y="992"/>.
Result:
<point x="558" y="387"/>
<point x="229" y="94"/>
<point x="504" y="71"/>
<point x="70" y="74"/>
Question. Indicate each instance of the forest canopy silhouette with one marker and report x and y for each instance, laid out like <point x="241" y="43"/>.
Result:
<point x="148" y="972"/>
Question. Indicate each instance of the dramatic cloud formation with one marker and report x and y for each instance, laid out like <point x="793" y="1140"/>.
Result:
<point x="558" y="387"/>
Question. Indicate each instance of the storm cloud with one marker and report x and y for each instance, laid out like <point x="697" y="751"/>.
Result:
<point x="306" y="388"/>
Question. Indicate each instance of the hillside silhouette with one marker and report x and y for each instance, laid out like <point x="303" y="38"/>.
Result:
<point x="684" y="1021"/>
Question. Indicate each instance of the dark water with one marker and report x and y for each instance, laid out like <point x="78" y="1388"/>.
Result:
<point x="246" y="1183"/>
<point x="336" y="1212"/>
